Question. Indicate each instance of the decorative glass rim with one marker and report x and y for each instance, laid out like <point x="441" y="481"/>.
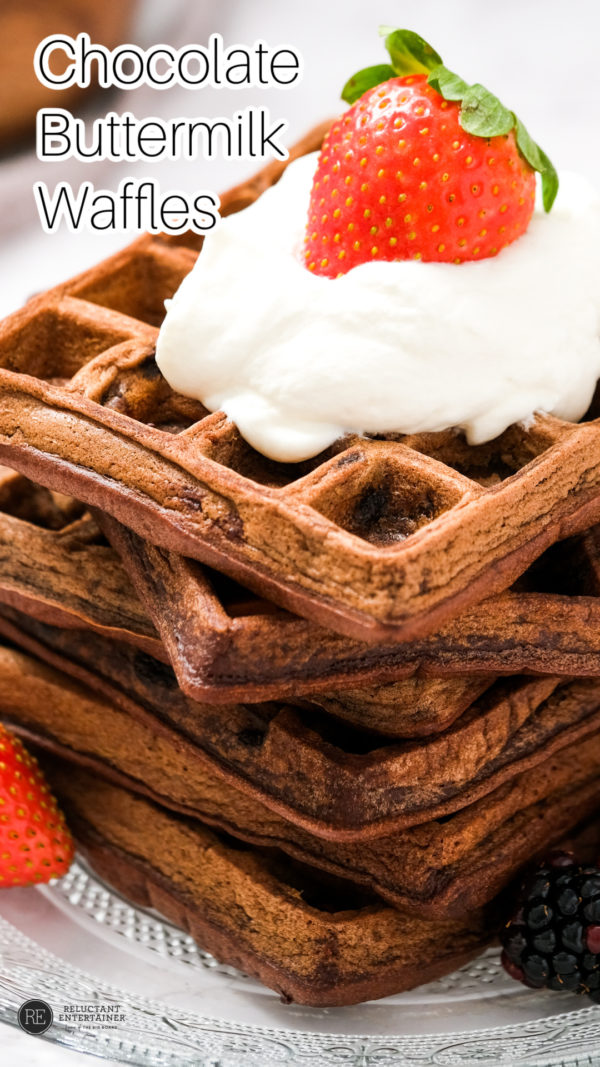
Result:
<point x="157" y="1034"/>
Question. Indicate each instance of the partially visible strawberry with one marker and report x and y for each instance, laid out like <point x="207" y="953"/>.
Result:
<point x="35" y="844"/>
<point x="400" y="175"/>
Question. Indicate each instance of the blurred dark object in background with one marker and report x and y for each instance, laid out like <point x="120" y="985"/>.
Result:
<point x="23" y="24"/>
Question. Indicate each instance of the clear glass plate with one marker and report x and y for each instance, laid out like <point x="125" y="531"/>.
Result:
<point x="77" y="942"/>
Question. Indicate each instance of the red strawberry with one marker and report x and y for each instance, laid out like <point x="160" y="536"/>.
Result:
<point x="400" y="177"/>
<point x="35" y="844"/>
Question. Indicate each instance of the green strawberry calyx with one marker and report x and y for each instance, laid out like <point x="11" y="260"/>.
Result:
<point x="481" y="113"/>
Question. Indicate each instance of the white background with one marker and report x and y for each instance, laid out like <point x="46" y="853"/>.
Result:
<point x="539" y="56"/>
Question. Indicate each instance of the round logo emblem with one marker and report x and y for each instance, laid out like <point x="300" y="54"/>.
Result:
<point x="35" y="1017"/>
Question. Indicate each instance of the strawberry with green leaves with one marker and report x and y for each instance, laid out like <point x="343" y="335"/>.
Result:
<point x="422" y="166"/>
<point x="35" y="844"/>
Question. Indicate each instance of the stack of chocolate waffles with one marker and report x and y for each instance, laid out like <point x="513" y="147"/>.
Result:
<point x="318" y="714"/>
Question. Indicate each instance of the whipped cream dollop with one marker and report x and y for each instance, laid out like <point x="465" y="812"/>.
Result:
<point x="297" y="360"/>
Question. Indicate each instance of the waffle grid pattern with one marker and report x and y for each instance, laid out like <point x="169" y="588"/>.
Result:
<point x="375" y="538"/>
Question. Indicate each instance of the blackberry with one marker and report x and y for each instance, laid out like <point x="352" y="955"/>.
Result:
<point x="553" y="940"/>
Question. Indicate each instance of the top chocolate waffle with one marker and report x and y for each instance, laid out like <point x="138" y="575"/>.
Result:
<point x="374" y="538"/>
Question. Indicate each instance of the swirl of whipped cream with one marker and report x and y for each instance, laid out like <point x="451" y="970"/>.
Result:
<point x="297" y="360"/>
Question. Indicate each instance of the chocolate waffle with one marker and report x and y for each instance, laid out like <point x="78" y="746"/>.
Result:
<point x="335" y="781"/>
<point x="55" y="567"/>
<point x="226" y="644"/>
<point x="438" y="869"/>
<point x="377" y="539"/>
<point x="313" y="939"/>
<point x="223" y="641"/>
